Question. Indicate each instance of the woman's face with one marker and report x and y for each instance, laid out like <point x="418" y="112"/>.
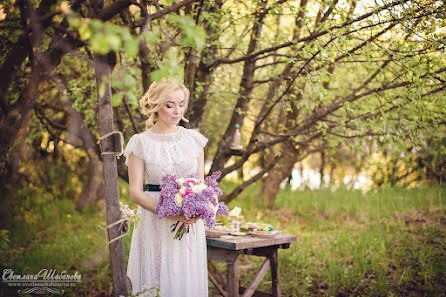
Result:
<point x="172" y="109"/>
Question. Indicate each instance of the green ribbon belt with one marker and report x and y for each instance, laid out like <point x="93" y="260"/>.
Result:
<point x="149" y="187"/>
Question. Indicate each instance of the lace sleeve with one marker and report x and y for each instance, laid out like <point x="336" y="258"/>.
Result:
<point x="134" y="146"/>
<point x="199" y="140"/>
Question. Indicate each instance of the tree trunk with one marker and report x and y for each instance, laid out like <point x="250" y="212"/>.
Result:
<point x="146" y="69"/>
<point x="285" y="165"/>
<point x="246" y="86"/>
<point x="16" y="118"/>
<point x="91" y="191"/>
<point x="197" y="72"/>
<point x="94" y="189"/>
<point x="18" y="52"/>
<point x="321" y="169"/>
<point x="332" y="169"/>
<point x="240" y="174"/>
<point x="18" y="114"/>
<point x="271" y="183"/>
<point x="103" y="71"/>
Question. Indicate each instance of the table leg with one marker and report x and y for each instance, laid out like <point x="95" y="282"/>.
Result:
<point x="217" y="279"/>
<point x="233" y="279"/>
<point x="255" y="282"/>
<point x="275" y="273"/>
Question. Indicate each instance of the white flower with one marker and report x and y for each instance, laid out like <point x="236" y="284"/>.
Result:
<point x="213" y="207"/>
<point x="216" y="199"/>
<point x="198" y="188"/>
<point x="182" y="190"/>
<point x="181" y="181"/>
<point x="235" y="212"/>
<point x="178" y="200"/>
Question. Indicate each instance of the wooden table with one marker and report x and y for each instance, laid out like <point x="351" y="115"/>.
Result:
<point x="226" y="250"/>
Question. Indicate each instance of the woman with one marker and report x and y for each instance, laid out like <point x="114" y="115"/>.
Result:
<point x="157" y="260"/>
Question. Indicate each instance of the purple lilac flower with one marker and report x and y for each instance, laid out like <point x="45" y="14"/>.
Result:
<point x="211" y="180"/>
<point x="166" y="206"/>
<point x="222" y="209"/>
<point x="194" y="204"/>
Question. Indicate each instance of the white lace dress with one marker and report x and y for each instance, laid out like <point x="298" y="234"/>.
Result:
<point x="177" y="267"/>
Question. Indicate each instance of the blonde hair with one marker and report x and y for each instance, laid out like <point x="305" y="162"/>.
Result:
<point x="155" y="96"/>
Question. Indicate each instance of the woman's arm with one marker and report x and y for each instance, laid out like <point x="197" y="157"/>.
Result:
<point x="200" y="168"/>
<point x="136" y="184"/>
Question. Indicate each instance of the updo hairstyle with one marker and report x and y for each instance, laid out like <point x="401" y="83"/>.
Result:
<point x="156" y="95"/>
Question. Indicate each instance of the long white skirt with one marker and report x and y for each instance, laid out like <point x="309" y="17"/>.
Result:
<point x="177" y="268"/>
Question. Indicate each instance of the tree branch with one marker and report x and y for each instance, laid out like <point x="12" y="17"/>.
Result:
<point x="256" y="177"/>
<point x="161" y="13"/>
<point x="307" y="38"/>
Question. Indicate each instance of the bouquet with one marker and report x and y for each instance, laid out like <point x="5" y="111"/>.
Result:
<point x="130" y="216"/>
<point x="191" y="197"/>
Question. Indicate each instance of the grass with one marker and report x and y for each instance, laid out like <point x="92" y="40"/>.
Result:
<point x="48" y="233"/>
<point x="389" y="242"/>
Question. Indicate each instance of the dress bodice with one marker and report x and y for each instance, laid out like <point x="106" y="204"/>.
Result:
<point x="174" y="153"/>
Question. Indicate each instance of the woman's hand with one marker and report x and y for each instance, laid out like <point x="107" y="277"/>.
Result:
<point x="181" y="218"/>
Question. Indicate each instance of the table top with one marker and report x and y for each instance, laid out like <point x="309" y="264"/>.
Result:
<point x="248" y="241"/>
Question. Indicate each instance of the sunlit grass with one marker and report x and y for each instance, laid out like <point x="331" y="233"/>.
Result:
<point x="48" y="233"/>
<point x="350" y="243"/>
<point x="389" y="242"/>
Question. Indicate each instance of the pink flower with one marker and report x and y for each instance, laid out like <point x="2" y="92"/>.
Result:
<point x="190" y="181"/>
<point x="187" y="192"/>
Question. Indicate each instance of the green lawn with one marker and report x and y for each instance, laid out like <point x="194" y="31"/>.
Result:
<point x="389" y="242"/>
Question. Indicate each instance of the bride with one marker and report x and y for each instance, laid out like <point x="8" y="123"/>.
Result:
<point x="157" y="261"/>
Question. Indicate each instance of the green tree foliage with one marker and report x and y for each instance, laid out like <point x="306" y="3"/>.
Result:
<point x="299" y="77"/>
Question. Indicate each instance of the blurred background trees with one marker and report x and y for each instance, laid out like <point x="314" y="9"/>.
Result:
<point x="346" y="88"/>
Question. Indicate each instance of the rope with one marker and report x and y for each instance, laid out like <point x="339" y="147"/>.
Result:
<point x="118" y="154"/>
<point x="112" y="224"/>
